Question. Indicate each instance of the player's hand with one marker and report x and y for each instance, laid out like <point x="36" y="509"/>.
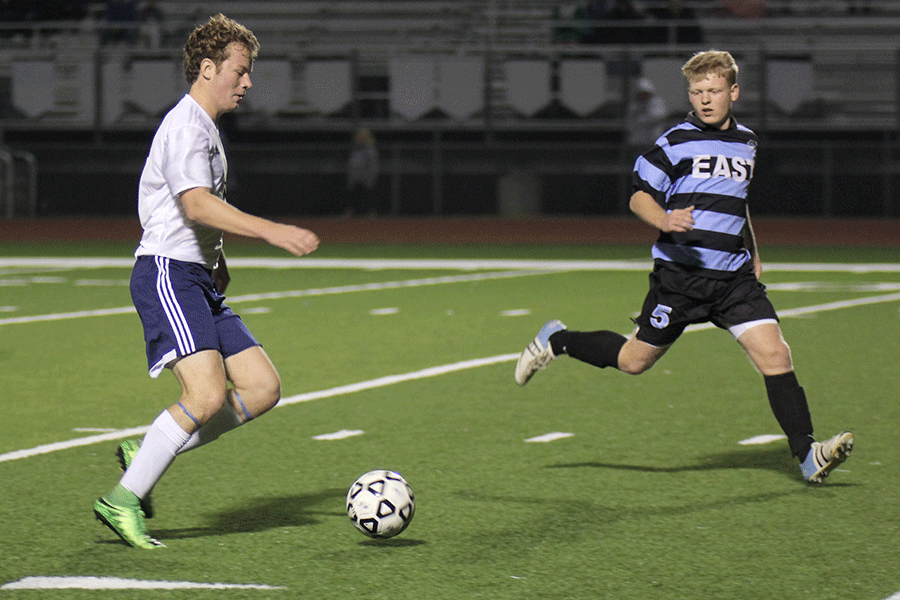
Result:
<point x="296" y="240"/>
<point x="680" y="219"/>
<point x="221" y="277"/>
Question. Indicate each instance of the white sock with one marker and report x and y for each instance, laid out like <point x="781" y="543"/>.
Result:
<point x="157" y="452"/>
<point x="222" y="422"/>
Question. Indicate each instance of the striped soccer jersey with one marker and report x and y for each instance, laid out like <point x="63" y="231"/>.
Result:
<point x="693" y="164"/>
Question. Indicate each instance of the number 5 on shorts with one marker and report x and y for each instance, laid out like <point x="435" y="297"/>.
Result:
<point x="659" y="318"/>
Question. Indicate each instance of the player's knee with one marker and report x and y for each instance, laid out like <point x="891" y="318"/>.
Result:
<point x="200" y="406"/>
<point x="273" y="390"/>
<point x="775" y="359"/>
<point x="635" y="366"/>
<point x="268" y="392"/>
<point x="636" y="357"/>
<point x="258" y="394"/>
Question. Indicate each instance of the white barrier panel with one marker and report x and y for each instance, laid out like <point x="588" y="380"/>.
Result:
<point x="460" y="83"/>
<point x="582" y="85"/>
<point x="789" y="83"/>
<point x="271" y="91"/>
<point x="665" y="73"/>
<point x="156" y="85"/>
<point x="528" y="85"/>
<point x="328" y="85"/>
<point x="33" y="87"/>
<point x="412" y="91"/>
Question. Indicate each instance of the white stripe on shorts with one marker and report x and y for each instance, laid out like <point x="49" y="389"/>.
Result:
<point x="738" y="330"/>
<point x="173" y="310"/>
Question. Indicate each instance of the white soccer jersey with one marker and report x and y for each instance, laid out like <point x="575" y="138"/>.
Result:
<point x="186" y="153"/>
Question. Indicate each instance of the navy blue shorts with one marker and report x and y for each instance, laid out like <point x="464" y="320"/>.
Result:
<point x="678" y="299"/>
<point x="182" y="313"/>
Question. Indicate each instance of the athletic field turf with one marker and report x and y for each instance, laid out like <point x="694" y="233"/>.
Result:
<point x="584" y="484"/>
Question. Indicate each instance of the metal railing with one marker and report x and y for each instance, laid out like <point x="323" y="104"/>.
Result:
<point x="18" y="183"/>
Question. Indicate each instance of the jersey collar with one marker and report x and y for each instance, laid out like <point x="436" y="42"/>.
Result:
<point x="696" y="122"/>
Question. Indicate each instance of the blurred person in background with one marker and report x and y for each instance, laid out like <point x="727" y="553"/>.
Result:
<point x="646" y="117"/>
<point x="362" y="175"/>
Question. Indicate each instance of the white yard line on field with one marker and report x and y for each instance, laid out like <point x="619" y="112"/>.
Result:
<point x="513" y="268"/>
<point x="817" y="308"/>
<point x="329" y="393"/>
<point x="84" y="441"/>
<point x="58" y="263"/>
<point x="550" y="437"/>
<point x="373" y="264"/>
<point x="344" y="289"/>
<point x="395" y="379"/>
<point x="117" y="583"/>
<point x="104" y="312"/>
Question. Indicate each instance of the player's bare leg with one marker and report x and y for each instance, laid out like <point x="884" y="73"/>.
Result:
<point x="599" y="348"/>
<point x="767" y="349"/>
<point x="636" y="356"/>
<point x="257" y="386"/>
<point x="203" y="383"/>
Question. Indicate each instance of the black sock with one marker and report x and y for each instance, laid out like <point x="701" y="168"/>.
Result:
<point x="788" y="402"/>
<point x="598" y="348"/>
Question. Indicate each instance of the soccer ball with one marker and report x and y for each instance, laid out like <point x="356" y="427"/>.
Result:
<point x="380" y="504"/>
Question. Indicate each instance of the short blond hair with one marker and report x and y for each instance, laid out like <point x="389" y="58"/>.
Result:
<point x="711" y="62"/>
<point x="211" y="40"/>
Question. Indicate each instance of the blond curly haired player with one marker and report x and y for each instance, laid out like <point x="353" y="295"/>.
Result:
<point x="180" y="276"/>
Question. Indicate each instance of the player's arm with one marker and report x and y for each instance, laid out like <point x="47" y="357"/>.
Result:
<point x="750" y="243"/>
<point x="645" y="207"/>
<point x="201" y="206"/>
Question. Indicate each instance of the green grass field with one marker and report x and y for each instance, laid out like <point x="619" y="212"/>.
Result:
<point x="651" y="495"/>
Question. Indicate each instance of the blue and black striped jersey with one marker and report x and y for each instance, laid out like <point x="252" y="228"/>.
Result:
<point x="693" y="164"/>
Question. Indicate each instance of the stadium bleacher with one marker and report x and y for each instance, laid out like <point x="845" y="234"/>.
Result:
<point x="481" y="67"/>
<point x="846" y="43"/>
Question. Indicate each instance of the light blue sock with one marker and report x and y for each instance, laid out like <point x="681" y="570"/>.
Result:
<point x="809" y="465"/>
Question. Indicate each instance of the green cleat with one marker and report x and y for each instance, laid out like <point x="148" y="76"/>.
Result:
<point x="125" y="521"/>
<point x="126" y="452"/>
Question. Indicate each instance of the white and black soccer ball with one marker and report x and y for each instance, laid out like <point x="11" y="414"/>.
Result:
<point x="380" y="504"/>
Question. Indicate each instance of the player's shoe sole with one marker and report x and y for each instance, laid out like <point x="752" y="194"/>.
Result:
<point x="126" y="453"/>
<point x="825" y="456"/>
<point x="538" y="354"/>
<point x="125" y="522"/>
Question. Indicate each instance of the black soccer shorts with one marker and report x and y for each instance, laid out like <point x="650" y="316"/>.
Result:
<point x="677" y="299"/>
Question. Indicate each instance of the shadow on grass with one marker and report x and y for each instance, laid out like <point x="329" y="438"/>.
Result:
<point x="778" y="460"/>
<point x="393" y="543"/>
<point x="262" y="514"/>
